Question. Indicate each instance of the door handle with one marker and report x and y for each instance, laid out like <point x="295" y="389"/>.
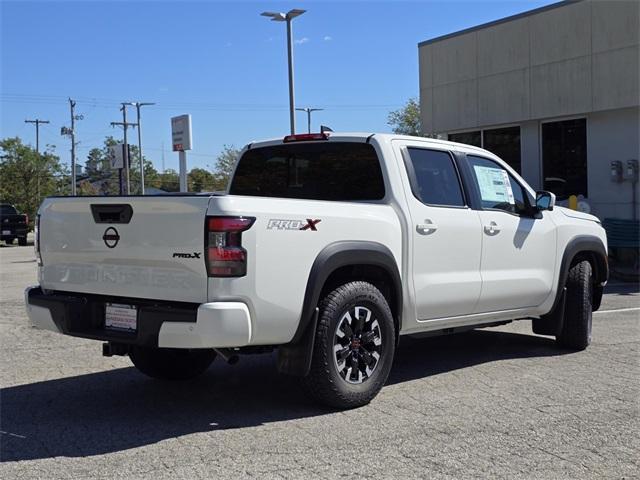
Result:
<point x="492" y="228"/>
<point x="426" y="228"/>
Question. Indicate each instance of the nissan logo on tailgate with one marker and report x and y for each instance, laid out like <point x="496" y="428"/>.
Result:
<point x="111" y="237"/>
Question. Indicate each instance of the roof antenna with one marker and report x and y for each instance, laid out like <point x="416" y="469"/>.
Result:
<point x="324" y="128"/>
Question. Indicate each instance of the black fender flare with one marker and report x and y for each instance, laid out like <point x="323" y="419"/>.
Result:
<point x="294" y="358"/>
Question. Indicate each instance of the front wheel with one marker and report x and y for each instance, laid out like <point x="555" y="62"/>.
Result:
<point x="171" y="363"/>
<point x="576" y="328"/>
<point x="354" y="347"/>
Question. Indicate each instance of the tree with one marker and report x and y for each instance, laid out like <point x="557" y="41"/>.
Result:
<point x="27" y="177"/>
<point x="201" y="180"/>
<point x="86" y="188"/>
<point x="225" y="163"/>
<point x="406" y="120"/>
<point x="169" y="181"/>
<point x="107" y="180"/>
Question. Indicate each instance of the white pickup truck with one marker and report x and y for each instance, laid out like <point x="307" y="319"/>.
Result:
<point x="326" y="247"/>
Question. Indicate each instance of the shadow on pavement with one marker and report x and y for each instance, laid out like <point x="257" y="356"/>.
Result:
<point x="629" y="288"/>
<point x="423" y="357"/>
<point x="121" y="409"/>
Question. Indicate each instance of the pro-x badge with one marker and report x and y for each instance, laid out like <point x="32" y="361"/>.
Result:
<point x="284" y="224"/>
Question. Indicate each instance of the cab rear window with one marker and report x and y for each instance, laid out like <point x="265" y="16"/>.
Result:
<point x="338" y="171"/>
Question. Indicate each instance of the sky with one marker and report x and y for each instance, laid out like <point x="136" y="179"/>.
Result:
<point x="221" y="62"/>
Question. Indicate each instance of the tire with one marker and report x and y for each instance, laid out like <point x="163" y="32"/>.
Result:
<point x="9" y="241"/>
<point x="366" y="347"/>
<point x="171" y="363"/>
<point x="22" y="241"/>
<point x="576" y="328"/>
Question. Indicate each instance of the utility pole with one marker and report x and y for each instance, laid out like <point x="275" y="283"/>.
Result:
<point x="138" y="105"/>
<point x="309" y="110"/>
<point x="71" y="132"/>
<point x="37" y="123"/>
<point x="125" y="153"/>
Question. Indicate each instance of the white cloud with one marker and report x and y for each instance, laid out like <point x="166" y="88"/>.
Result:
<point x="327" y="38"/>
<point x="302" y="40"/>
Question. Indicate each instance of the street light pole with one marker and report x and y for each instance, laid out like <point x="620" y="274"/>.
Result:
<point x="288" y="17"/>
<point x="125" y="153"/>
<point x="138" y="105"/>
<point x="309" y="110"/>
<point x="292" y="115"/>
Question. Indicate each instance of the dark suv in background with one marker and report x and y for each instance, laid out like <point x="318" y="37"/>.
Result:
<point x="13" y="224"/>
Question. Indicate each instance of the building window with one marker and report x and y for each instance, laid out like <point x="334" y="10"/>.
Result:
<point x="564" y="157"/>
<point x="470" y="138"/>
<point x="505" y="143"/>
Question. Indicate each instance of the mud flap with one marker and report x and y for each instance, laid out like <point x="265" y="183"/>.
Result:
<point x="552" y="322"/>
<point x="295" y="358"/>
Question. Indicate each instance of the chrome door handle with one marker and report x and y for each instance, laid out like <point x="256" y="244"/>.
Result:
<point x="426" y="228"/>
<point x="492" y="228"/>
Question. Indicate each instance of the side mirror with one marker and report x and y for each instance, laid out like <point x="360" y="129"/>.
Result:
<point x="545" y="200"/>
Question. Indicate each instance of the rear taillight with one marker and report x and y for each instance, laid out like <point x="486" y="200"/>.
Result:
<point x="225" y="255"/>
<point x="26" y="219"/>
<point x="36" y="240"/>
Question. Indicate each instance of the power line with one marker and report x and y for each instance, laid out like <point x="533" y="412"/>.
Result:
<point x="193" y="105"/>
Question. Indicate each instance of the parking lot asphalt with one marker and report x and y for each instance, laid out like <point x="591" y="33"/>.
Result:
<point x="497" y="403"/>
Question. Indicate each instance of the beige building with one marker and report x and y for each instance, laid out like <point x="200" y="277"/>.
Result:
<point x="554" y="91"/>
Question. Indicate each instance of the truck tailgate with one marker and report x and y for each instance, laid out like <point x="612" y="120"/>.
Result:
<point x="143" y="247"/>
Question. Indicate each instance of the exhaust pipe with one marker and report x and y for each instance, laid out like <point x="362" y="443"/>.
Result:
<point x="228" y="355"/>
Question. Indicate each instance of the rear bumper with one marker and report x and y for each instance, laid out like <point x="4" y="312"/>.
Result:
<point x="14" y="231"/>
<point x="160" y="324"/>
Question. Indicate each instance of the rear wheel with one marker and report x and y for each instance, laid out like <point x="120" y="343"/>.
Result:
<point x="9" y="240"/>
<point x="576" y="328"/>
<point x="354" y="347"/>
<point x="22" y="241"/>
<point x="171" y="363"/>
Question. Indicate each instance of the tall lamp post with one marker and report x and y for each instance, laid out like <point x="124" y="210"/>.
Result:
<point x="308" y="111"/>
<point x="288" y="17"/>
<point x="138" y="105"/>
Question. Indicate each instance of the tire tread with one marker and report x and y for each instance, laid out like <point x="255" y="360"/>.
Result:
<point x="577" y="317"/>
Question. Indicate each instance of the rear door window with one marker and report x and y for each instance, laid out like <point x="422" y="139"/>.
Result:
<point x="434" y="178"/>
<point x="339" y="171"/>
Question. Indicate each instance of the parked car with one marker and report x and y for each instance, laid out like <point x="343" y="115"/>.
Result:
<point x="326" y="248"/>
<point x="13" y="224"/>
